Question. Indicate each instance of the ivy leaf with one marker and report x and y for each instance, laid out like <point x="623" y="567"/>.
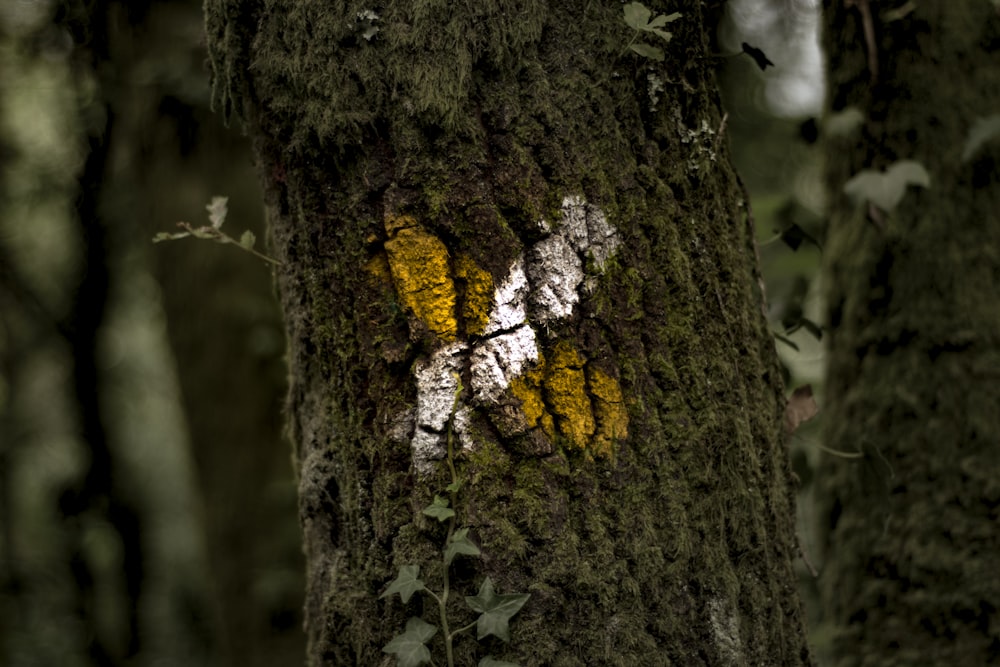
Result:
<point x="406" y="584"/>
<point x="490" y="661"/>
<point x="981" y="131"/>
<point x="495" y="610"/>
<point x="410" y="647"/>
<point x="636" y="15"/>
<point x="757" y="55"/>
<point x="453" y="487"/>
<point x="648" y="51"/>
<point x="886" y="189"/>
<point x="217" y="210"/>
<point x="439" y="509"/>
<point x="460" y="544"/>
<point x="662" y="20"/>
<point x="667" y="36"/>
<point x="248" y="239"/>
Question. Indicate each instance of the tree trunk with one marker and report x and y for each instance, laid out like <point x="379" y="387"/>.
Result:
<point x="912" y="396"/>
<point x="515" y="255"/>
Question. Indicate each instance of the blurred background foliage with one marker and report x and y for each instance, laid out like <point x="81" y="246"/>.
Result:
<point x="147" y="498"/>
<point x="146" y="493"/>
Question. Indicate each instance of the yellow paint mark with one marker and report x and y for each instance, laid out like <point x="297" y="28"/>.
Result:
<point x="378" y="270"/>
<point x="609" y="409"/>
<point x="566" y="391"/>
<point x="418" y="261"/>
<point x="478" y="294"/>
<point x="528" y="389"/>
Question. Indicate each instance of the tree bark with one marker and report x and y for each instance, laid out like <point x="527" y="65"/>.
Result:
<point x="506" y="234"/>
<point x="911" y="397"/>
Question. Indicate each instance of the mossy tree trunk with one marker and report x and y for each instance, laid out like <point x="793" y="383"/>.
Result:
<point x="913" y="392"/>
<point x="499" y="226"/>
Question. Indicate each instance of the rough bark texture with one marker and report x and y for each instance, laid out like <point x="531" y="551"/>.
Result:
<point x="501" y="191"/>
<point x="914" y="354"/>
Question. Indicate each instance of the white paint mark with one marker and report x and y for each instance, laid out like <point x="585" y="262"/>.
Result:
<point x="427" y="448"/>
<point x="510" y="301"/>
<point x="548" y="279"/>
<point x="555" y="264"/>
<point x="587" y="229"/>
<point x="726" y="630"/>
<point x="437" y="383"/>
<point x="462" y="426"/>
<point x="498" y="360"/>
<point x="555" y="272"/>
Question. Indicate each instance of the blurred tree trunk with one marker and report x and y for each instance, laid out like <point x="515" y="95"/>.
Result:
<point x="501" y="228"/>
<point x="913" y="391"/>
<point x="223" y="327"/>
<point x="102" y="560"/>
<point x="101" y="494"/>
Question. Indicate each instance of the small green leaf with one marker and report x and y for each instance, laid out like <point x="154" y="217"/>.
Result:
<point x="662" y="20"/>
<point x="454" y="487"/>
<point x="648" y="51"/>
<point x="460" y="544"/>
<point x="490" y="661"/>
<point x="409" y="647"/>
<point x="217" y="209"/>
<point x="886" y="189"/>
<point x="667" y="36"/>
<point x="636" y="15"/>
<point x="248" y="240"/>
<point x="167" y="236"/>
<point x="981" y="131"/>
<point x="439" y="509"/>
<point x="495" y="610"/>
<point x="406" y="584"/>
<point x="204" y="232"/>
